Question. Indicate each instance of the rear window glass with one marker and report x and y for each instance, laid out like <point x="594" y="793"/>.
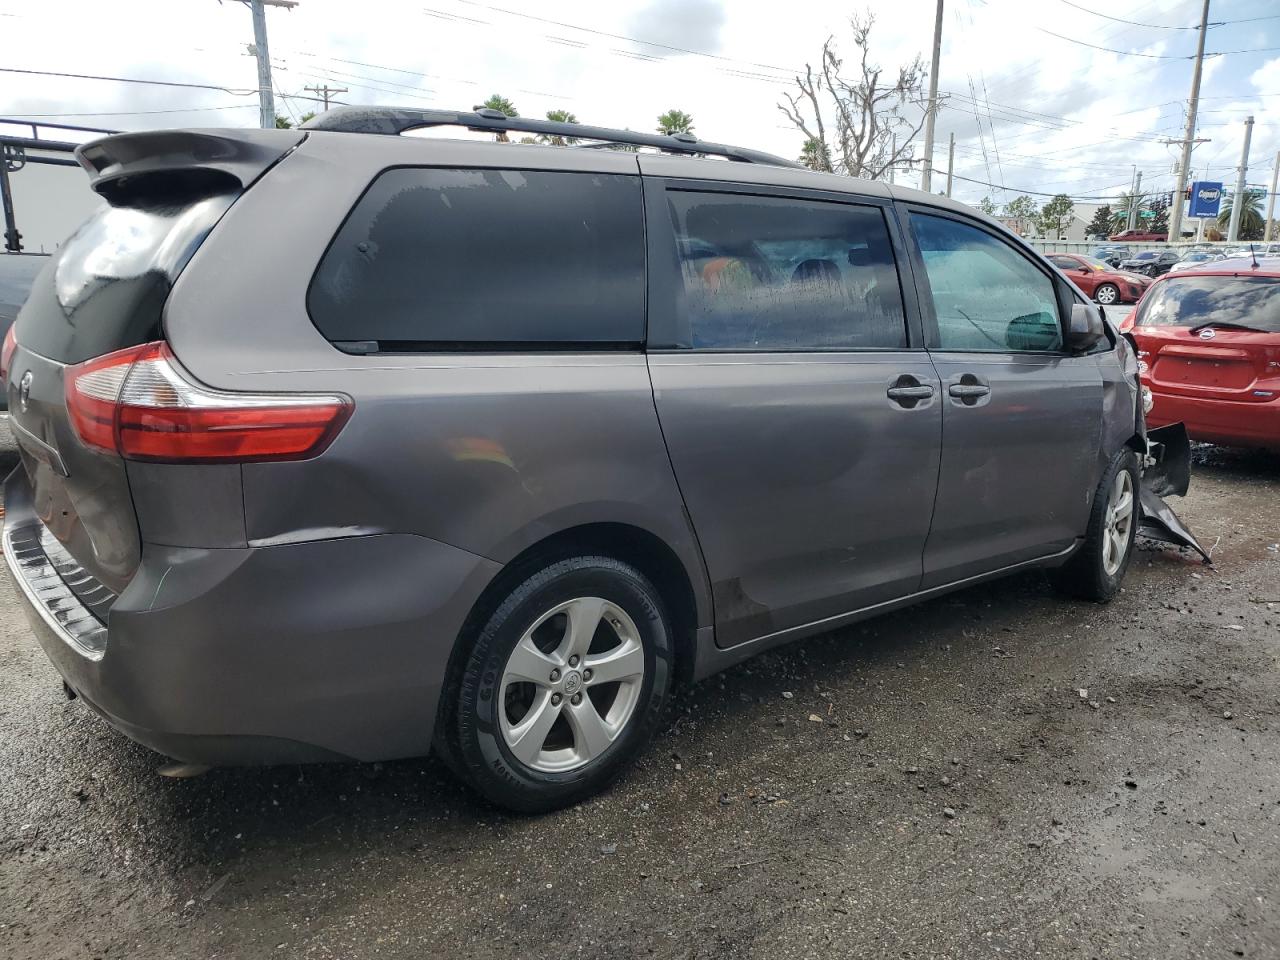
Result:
<point x="459" y="258"/>
<point x="1252" y="302"/>
<point x="109" y="281"/>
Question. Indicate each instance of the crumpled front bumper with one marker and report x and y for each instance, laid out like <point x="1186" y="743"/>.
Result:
<point x="1167" y="472"/>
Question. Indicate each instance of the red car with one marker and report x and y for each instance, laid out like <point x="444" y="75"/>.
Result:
<point x="1140" y="236"/>
<point x="1100" y="281"/>
<point x="1209" y="351"/>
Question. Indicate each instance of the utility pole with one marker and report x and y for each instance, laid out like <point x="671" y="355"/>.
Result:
<point x="1271" y="199"/>
<point x="1175" y="218"/>
<point x="893" y="155"/>
<point x="926" y="176"/>
<point x="324" y="91"/>
<point x="951" y="163"/>
<point x="1135" y="196"/>
<point x="266" y="101"/>
<point x="1237" y="202"/>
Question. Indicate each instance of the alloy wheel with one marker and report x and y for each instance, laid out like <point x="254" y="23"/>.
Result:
<point x="571" y="685"/>
<point x="1118" y="528"/>
<point x="1107" y="294"/>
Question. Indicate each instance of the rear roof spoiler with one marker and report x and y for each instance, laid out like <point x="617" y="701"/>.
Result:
<point x="213" y="155"/>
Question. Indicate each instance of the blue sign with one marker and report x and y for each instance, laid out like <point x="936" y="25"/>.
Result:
<point x="1205" y="199"/>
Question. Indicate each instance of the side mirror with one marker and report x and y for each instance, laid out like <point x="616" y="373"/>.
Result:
<point x="1085" y="327"/>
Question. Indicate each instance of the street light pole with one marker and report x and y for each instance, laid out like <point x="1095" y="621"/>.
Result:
<point x="1237" y="201"/>
<point x="926" y="175"/>
<point x="1175" y="218"/>
<point x="951" y="164"/>
<point x="1271" y="199"/>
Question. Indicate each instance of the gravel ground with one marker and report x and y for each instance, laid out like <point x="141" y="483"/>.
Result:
<point x="999" y="772"/>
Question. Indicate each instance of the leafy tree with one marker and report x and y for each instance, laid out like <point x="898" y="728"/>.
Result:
<point x="866" y="122"/>
<point x="1053" y="214"/>
<point x="1101" y="222"/>
<point x="1251" y="219"/>
<point x="559" y="116"/>
<point x="675" y="121"/>
<point x="283" y="123"/>
<point x="814" y="155"/>
<point x="988" y="206"/>
<point x="500" y="103"/>
<point x="1022" y="210"/>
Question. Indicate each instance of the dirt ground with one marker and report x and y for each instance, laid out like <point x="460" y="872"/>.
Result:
<point x="996" y="773"/>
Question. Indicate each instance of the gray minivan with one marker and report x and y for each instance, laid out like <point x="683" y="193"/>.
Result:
<point x="341" y="444"/>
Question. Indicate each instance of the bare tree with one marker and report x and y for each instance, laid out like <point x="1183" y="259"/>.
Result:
<point x="860" y="125"/>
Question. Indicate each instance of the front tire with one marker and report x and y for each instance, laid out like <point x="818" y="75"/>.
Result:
<point x="1107" y="294"/>
<point x="564" y="685"/>
<point x="1096" y="570"/>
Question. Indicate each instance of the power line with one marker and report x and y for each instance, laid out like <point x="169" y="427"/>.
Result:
<point x="1123" y="53"/>
<point x="1136" y="23"/>
<point x="1036" y="193"/>
<point x="235" y="92"/>
<point x="136" y="113"/>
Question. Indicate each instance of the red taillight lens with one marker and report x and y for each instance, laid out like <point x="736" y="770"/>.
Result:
<point x="139" y="404"/>
<point x="6" y="352"/>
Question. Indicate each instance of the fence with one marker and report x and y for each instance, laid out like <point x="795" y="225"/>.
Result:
<point x="1086" y="249"/>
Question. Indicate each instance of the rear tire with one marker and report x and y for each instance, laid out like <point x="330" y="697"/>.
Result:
<point x="1107" y="294"/>
<point x="563" y="686"/>
<point x="1096" y="570"/>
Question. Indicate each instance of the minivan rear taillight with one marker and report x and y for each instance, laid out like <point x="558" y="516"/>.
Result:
<point x="6" y="352"/>
<point x="140" y="404"/>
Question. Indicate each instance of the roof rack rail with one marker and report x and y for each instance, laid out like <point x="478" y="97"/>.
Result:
<point x="393" y="121"/>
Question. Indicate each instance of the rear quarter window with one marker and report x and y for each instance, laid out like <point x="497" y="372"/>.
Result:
<point x="440" y="258"/>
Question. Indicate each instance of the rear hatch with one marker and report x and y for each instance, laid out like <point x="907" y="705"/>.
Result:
<point x="105" y="290"/>
<point x="1212" y="336"/>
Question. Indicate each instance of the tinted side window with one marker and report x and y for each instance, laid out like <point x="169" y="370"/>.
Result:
<point x="482" y="257"/>
<point x="765" y="273"/>
<point x="1064" y="263"/>
<point x="986" y="295"/>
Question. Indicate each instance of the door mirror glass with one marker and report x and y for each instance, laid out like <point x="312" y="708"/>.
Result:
<point x="1085" y="327"/>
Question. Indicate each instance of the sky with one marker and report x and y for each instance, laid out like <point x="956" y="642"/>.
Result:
<point x="1030" y="111"/>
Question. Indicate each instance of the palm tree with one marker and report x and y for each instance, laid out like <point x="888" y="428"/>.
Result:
<point x="503" y="105"/>
<point x="675" y="121"/>
<point x="558" y="116"/>
<point x="814" y="155"/>
<point x="1120" y="212"/>
<point x="1251" y="221"/>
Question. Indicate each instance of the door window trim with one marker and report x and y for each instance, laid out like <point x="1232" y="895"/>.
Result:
<point x="665" y="280"/>
<point x="1063" y="295"/>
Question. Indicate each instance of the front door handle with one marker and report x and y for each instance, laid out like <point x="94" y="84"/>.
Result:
<point x="965" y="391"/>
<point x="922" y="392"/>
<point x="909" y="393"/>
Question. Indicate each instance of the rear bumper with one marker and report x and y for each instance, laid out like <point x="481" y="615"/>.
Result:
<point x="1227" y="422"/>
<point x="310" y="651"/>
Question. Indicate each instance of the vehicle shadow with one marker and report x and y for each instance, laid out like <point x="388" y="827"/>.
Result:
<point x="415" y="807"/>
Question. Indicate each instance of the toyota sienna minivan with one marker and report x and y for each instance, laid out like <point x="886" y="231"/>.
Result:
<point x="343" y="444"/>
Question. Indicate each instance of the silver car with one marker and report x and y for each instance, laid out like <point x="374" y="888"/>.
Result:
<point x="340" y="444"/>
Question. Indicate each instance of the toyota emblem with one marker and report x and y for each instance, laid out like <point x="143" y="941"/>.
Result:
<point x="24" y="391"/>
<point x="1207" y="333"/>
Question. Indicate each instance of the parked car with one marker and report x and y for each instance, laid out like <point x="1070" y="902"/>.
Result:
<point x="1151" y="263"/>
<point x="1111" y="256"/>
<point x="17" y="273"/>
<point x="1193" y="259"/>
<point x="1099" y="281"/>
<point x="1139" y="236"/>
<point x="493" y="447"/>
<point x="1209" y="341"/>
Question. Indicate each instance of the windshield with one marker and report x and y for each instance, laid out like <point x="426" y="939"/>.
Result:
<point x="1096" y="263"/>
<point x="1194" y="301"/>
<point x="1145" y="255"/>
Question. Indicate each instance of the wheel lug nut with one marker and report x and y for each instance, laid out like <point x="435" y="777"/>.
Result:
<point x="586" y="674"/>
<point x="555" y="675"/>
<point x="555" y="699"/>
<point x="573" y="661"/>
<point x="577" y="699"/>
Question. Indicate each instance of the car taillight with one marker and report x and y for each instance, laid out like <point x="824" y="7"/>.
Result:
<point x="6" y="352"/>
<point x="139" y="403"/>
